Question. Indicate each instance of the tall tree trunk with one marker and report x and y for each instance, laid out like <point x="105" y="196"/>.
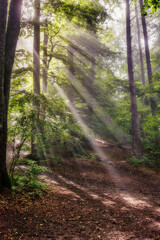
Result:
<point x="71" y="73"/>
<point x="149" y="68"/>
<point x="35" y="152"/>
<point x="141" y="60"/>
<point x="45" y="68"/>
<point x="36" y="48"/>
<point x="3" y="19"/>
<point x="135" y="123"/>
<point x="140" y="46"/>
<point x="6" y="64"/>
<point x="45" y="72"/>
<point x="92" y="77"/>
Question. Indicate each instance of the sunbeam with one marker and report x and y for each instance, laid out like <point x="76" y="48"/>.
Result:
<point x="90" y="136"/>
<point x="101" y="114"/>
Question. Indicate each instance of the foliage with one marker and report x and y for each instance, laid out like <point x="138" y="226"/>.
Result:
<point x="56" y="135"/>
<point x="91" y="12"/>
<point x="28" y="181"/>
<point x="145" y="160"/>
<point x="95" y="158"/>
<point x="151" y="4"/>
<point x="81" y="26"/>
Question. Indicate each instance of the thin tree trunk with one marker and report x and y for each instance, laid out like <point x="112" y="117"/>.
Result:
<point x="45" y="73"/>
<point x="71" y="73"/>
<point x="45" y="68"/>
<point x="148" y="61"/>
<point x="141" y="60"/>
<point x="37" y="153"/>
<point x="92" y="77"/>
<point x="36" y="70"/>
<point x="149" y="69"/>
<point x="135" y="123"/>
<point x="140" y="46"/>
<point x="36" y="48"/>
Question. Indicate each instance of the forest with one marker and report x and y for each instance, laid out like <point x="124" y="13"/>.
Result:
<point x="79" y="119"/>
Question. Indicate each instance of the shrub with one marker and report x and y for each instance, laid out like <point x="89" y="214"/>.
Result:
<point x="28" y="182"/>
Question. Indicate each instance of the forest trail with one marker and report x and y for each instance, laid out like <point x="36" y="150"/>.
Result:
<point x="88" y="200"/>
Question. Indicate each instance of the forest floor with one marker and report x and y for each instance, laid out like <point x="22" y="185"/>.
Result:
<point x="87" y="200"/>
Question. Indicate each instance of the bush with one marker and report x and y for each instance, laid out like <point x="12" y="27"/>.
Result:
<point x="145" y="160"/>
<point x="29" y="183"/>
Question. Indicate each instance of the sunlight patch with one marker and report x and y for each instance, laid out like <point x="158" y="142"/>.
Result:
<point x="94" y="196"/>
<point x="120" y="235"/>
<point x="107" y="202"/>
<point x="157" y="209"/>
<point x="155" y="225"/>
<point x="135" y="201"/>
<point x="49" y="181"/>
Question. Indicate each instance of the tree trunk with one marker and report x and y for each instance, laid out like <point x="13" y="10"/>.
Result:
<point x="149" y="68"/>
<point x="45" y="68"/>
<point x="3" y="19"/>
<point x="140" y="46"/>
<point x="36" y="48"/>
<point x="141" y="61"/>
<point x="70" y="74"/>
<point x="135" y="123"/>
<point x="45" y="73"/>
<point x="36" y="153"/>
<point x="8" y="42"/>
<point x="92" y="77"/>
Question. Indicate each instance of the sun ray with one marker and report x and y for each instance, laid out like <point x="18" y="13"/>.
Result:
<point x="90" y="136"/>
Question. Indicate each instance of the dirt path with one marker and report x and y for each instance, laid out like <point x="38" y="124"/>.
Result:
<point x="88" y="200"/>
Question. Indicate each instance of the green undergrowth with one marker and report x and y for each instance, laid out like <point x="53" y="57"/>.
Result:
<point x="147" y="160"/>
<point x="95" y="158"/>
<point x="27" y="181"/>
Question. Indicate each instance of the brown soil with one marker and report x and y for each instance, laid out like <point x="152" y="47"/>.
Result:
<point x="87" y="200"/>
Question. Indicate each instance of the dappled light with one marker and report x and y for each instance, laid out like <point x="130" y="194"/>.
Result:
<point x="138" y="203"/>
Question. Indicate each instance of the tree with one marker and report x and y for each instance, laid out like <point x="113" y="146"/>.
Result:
<point x="45" y="68"/>
<point x="135" y="123"/>
<point x="70" y="73"/>
<point x="3" y="171"/>
<point x="36" y="48"/>
<point x="8" y="42"/>
<point x="144" y="26"/>
<point x="45" y="72"/>
<point x="148" y="60"/>
<point x="36" y="71"/>
<point x="140" y="46"/>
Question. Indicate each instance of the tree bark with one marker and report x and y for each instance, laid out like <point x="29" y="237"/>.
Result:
<point x="144" y="26"/>
<point x="135" y="123"/>
<point x="70" y="74"/>
<point x="3" y="19"/>
<point x="45" y="73"/>
<point x="45" y="68"/>
<point x="148" y="60"/>
<point x="92" y="78"/>
<point x="140" y="46"/>
<point x="9" y="41"/>
<point x="36" y="153"/>
<point x="36" y="48"/>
